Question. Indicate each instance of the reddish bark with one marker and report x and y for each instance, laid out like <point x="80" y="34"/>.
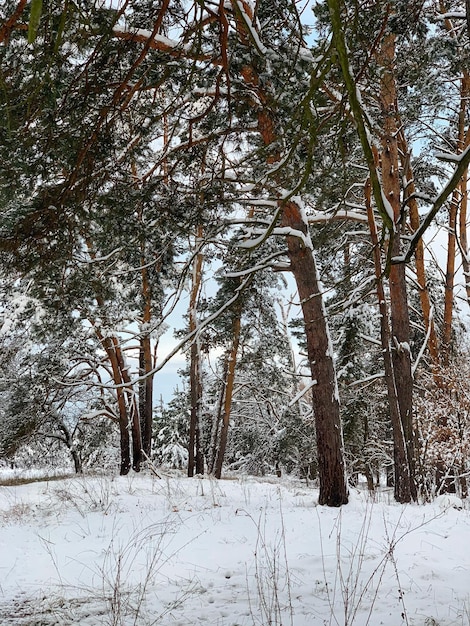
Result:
<point x="11" y="22"/>
<point x="333" y="484"/>
<point x="400" y="322"/>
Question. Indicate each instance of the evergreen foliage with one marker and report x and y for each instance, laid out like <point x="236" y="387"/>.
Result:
<point x="143" y="142"/>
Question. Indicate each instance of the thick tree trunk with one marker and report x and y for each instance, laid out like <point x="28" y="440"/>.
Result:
<point x="401" y="357"/>
<point x="333" y="484"/>
<point x="401" y="351"/>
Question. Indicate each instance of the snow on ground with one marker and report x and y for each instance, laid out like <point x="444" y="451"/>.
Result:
<point x="243" y="551"/>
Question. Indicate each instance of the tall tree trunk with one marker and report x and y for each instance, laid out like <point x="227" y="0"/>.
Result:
<point x="195" y="456"/>
<point x="402" y="480"/>
<point x="333" y="485"/>
<point x="145" y="404"/>
<point x="146" y="366"/>
<point x="386" y="189"/>
<point x="449" y="279"/>
<point x="401" y="351"/>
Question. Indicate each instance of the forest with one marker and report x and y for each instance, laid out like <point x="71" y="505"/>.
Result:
<point x="281" y="170"/>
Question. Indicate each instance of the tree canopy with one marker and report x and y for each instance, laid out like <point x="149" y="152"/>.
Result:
<point x="200" y="152"/>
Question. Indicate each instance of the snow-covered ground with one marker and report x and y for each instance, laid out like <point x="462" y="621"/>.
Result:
<point x="138" y="551"/>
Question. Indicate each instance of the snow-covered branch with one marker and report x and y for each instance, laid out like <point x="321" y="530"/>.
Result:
<point x="462" y="161"/>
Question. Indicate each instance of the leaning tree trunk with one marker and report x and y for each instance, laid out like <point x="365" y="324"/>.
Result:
<point x="333" y="485"/>
<point x="125" y="440"/>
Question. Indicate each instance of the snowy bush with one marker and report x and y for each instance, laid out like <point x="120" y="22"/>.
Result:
<point x="443" y="429"/>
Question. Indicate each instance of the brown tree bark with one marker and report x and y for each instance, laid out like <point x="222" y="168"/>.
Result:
<point x="195" y="455"/>
<point x="11" y="22"/>
<point x="463" y="236"/>
<point x="458" y="202"/>
<point x="331" y="470"/>
<point x="146" y="365"/>
<point x="400" y="322"/>
<point x="123" y="417"/>
<point x="403" y="488"/>
<point x="449" y="279"/>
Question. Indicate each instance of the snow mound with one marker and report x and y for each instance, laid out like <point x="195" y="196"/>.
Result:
<point x="448" y="501"/>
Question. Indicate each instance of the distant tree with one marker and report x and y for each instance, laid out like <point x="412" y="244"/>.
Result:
<point x="171" y="428"/>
